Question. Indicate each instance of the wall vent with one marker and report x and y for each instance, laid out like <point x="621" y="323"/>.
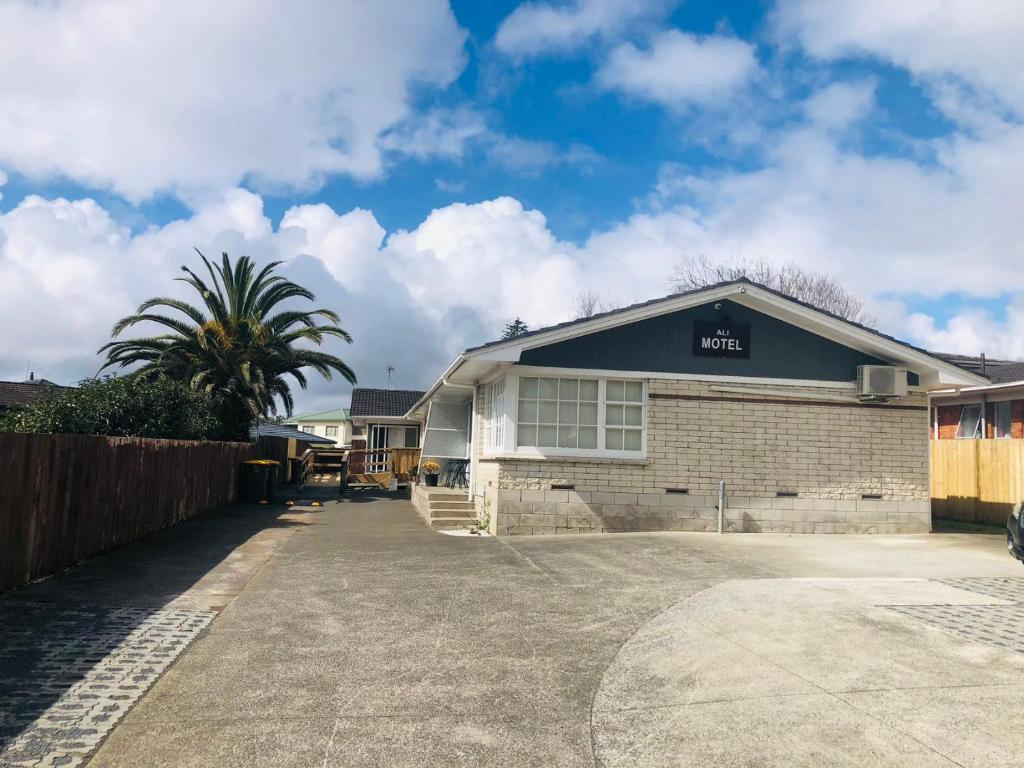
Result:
<point x="677" y="490"/>
<point x="562" y="487"/>
<point x="786" y="494"/>
<point x="875" y="496"/>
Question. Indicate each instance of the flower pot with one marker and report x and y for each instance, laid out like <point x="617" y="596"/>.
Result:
<point x="430" y="481"/>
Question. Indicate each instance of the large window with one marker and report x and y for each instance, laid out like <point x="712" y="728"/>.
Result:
<point x="970" y="423"/>
<point x="1002" y="420"/>
<point x="584" y="415"/>
<point x="494" y="415"/>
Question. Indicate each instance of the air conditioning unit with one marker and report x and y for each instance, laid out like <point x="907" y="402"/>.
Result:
<point x="878" y="382"/>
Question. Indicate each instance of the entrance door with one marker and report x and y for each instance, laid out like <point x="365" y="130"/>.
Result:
<point x="376" y="458"/>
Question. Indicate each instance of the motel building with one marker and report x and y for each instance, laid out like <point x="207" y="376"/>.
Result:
<point x="632" y="420"/>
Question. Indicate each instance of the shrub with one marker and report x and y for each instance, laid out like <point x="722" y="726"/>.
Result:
<point x="123" y="407"/>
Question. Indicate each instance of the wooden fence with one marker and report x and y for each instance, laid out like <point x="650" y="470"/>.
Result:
<point x="977" y="480"/>
<point x="65" y="497"/>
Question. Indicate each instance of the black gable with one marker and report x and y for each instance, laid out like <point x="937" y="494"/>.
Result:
<point x="665" y="344"/>
<point x="383" y="402"/>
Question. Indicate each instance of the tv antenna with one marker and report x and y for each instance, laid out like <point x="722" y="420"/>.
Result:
<point x="391" y="377"/>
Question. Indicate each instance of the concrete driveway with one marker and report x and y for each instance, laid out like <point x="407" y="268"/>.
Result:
<point x="353" y="635"/>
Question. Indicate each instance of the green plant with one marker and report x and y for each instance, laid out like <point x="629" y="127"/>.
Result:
<point x="482" y="524"/>
<point x="516" y="328"/>
<point x="239" y="347"/>
<point x="122" y="406"/>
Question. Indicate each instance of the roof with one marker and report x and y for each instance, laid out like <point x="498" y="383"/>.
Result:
<point x="337" y="414"/>
<point x="383" y="402"/>
<point x="998" y="371"/>
<point x="270" y="429"/>
<point x="949" y="359"/>
<point x="18" y="394"/>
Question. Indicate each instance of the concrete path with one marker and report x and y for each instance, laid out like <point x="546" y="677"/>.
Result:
<point x="353" y="635"/>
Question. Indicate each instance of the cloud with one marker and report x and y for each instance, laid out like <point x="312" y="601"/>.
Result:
<point x="534" y="28"/>
<point x="171" y="96"/>
<point x="530" y="157"/>
<point x="943" y="43"/>
<point x="974" y="331"/>
<point x="3" y="180"/>
<point x="439" y="133"/>
<point x="841" y="104"/>
<point x="679" y="69"/>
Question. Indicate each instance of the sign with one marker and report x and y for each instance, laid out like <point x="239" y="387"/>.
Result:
<point x="721" y="339"/>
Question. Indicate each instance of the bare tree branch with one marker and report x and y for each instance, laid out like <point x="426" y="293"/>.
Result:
<point x="817" y="289"/>
<point x="589" y="303"/>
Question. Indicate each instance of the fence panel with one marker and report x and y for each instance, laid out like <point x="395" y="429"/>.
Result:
<point x="65" y="497"/>
<point x="977" y="481"/>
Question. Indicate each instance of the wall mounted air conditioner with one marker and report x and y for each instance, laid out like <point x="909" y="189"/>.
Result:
<point x="878" y="382"/>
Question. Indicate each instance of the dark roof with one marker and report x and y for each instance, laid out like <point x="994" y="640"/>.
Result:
<point x="18" y="394"/>
<point x="744" y="280"/>
<point x="1005" y="373"/>
<point x="383" y="402"/>
<point x="998" y="371"/>
<point x="269" y="429"/>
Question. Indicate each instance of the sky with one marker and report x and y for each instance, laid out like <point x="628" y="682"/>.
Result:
<point x="432" y="171"/>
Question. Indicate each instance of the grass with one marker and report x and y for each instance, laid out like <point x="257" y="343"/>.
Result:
<point x="942" y="525"/>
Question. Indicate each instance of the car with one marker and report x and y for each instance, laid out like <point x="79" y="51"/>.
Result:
<point x="1015" y="532"/>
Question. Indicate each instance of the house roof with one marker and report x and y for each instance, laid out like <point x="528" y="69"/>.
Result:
<point x="18" y="394"/>
<point x="383" y="402"/>
<point x="270" y="429"/>
<point x="337" y="414"/>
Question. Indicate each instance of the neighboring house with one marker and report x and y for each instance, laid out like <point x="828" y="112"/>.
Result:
<point x="18" y="394"/>
<point x="334" y="424"/>
<point x="303" y="438"/>
<point x="994" y="410"/>
<point x="629" y="420"/>
<point x="379" y="421"/>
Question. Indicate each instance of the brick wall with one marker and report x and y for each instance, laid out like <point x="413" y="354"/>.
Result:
<point x="831" y="455"/>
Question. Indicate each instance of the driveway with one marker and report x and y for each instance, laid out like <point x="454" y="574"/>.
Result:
<point x="353" y="635"/>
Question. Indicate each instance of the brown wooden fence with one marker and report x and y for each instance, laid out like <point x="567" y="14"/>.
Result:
<point x="977" y="480"/>
<point x="65" y="497"/>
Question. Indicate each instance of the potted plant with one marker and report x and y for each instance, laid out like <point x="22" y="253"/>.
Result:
<point x="430" y="469"/>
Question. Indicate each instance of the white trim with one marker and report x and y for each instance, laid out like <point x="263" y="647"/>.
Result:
<point x="769" y="392"/>
<point x="537" y="370"/>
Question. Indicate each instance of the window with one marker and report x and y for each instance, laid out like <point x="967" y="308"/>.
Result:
<point x="494" y="414"/>
<point x="557" y="413"/>
<point x="412" y="437"/>
<point x="624" y="415"/>
<point x="332" y="431"/>
<point x="970" y="422"/>
<point x="580" y="415"/>
<point x="310" y="429"/>
<point x="1002" y="420"/>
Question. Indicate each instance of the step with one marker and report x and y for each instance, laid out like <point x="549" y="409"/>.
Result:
<point x="451" y="504"/>
<point x="449" y="512"/>
<point x="450" y="522"/>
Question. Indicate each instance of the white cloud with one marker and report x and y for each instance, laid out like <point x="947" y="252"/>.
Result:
<point x="537" y="28"/>
<point x="530" y="157"/>
<point x="191" y="94"/>
<point x="974" y="331"/>
<point x="679" y="69"/>
<point x="3" y="180"/>
<point x="439" y="133"/>
<point x="977" y="43"/>
<point x="840" y="104"/>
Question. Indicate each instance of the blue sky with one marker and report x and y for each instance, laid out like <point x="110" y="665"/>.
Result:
<point x="435" y="170"/>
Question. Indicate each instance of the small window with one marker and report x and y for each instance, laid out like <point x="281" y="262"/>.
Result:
<point x="969" y="427"/>
<point x="624" y="415"/>
<point x="332" y="431"/>
<point x="412" y="437"/>
<point x="1002" y="420"/>
<point x="310" y="429"/>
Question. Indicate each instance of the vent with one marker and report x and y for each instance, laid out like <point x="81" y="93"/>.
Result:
<point x="562" y="487"/>
<point x="786" y="494"/>
<point x="875" y="496"/>
<point x="878" y="382"/>
<point x="677" y="490"/>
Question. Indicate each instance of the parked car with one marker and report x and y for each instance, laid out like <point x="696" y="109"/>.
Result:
<point x="1015" y="532"/>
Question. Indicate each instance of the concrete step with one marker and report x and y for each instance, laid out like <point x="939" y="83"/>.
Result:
<point x="447" y="503"/>
<point x="453" y="512"/>
<point x="450" y="522"/>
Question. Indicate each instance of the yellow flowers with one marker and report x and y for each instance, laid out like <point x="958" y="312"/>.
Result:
<point x="430" y="467"/>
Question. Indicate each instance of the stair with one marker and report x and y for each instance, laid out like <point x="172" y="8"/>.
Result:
<point x="450" y="510"/>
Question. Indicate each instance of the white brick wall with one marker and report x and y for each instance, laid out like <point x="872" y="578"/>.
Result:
<point x="831" y="455"/>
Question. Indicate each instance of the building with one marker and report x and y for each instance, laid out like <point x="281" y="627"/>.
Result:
<point x="19" y="394"/>
<point x="379" y="422"/>
<point x="994" y="410"/>
<point x="629" y="420"/>
<point x="335" y="425"/>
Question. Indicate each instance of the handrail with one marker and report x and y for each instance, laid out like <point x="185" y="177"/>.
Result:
<point x="304" y="468"/>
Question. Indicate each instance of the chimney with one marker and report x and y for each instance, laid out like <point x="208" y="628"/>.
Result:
<point x="31" y="375"/>
<point x="983" y="366"/>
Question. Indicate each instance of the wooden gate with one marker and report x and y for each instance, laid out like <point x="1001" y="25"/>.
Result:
<point x="977" y="481"/>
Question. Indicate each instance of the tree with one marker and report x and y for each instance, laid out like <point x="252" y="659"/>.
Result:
<point x="817" y="289"/>
<point x="590" y="303"/>
<point x="124" y="407"/>
<point x="239" y="347"/>
<point x="516" y="328"/>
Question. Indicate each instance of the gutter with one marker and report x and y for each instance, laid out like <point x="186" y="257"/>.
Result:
<point x="441" y="382"/>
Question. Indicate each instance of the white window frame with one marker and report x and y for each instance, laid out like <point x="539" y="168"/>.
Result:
<point x="309" y="429"/>
<point x="977" y="423"/>
<point x="494" y="416"/>
<point x="331" y="430"/>
<point x="512" y="417"/>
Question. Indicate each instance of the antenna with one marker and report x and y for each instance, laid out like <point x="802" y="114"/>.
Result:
<point x="391" y="377"/>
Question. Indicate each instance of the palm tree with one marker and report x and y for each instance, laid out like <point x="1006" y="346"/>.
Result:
<point x="239" y="346"/>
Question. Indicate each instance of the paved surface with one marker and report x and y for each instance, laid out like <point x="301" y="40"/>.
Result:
<point x="353" y="635"/>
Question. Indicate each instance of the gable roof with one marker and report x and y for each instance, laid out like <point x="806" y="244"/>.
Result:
<point x="383" y="402"/>
<point x="336" y="414"/>
<point x="18" y="394"/>
<point x="270" y="429"/>
<point x="936" y="371"/>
